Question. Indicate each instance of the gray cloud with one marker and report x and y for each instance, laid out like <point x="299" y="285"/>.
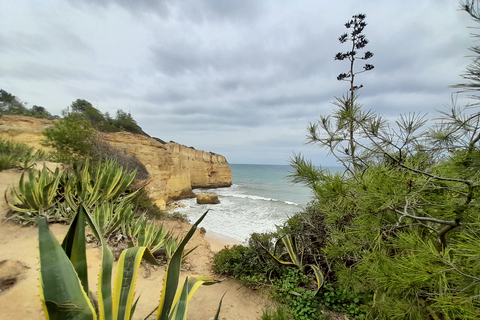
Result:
<point x="239" y="78"/>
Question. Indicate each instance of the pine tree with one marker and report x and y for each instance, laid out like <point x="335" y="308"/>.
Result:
<point x="405" y="227"/>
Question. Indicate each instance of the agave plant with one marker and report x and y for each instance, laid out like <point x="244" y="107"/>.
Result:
<point x="108" y="183"/>
<point x="296" y="260"/>
<point x="146" y="233"/>
<point x="7" y="161"/>
<point x="36" y="195"/>
<point x="27" y="161"/>
<point x="64" y="279"/>
<point x="110" y="217"/>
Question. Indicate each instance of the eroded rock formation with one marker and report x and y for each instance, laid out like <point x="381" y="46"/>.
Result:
<point x="174" y="169"/>
<point x="207" y="198"/>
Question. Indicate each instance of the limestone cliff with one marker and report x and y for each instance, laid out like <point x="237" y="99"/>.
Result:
<point x="24" y="129"/>
<point x="174" y="169"/>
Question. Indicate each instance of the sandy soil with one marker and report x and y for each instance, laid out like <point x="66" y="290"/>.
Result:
<point x="19" y="296"/>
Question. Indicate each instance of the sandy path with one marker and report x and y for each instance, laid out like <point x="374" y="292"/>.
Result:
<point x="19" y="265"/>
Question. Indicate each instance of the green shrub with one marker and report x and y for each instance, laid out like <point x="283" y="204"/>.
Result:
<point x="345" y="301"/>
<point x="278" y="312"/>
<point x="240" y="262"/>
<point x="144" y="204"/>
<point x="251" y="264"/>
<point x="18" y="155"/>
<point x="178" y="216"/>
<point x="6" y="162"/>
<point x="125" y="121"/>
<point x="293" y="288"/>
<point x="72" y="137"/>
<point x="10" y="104"/>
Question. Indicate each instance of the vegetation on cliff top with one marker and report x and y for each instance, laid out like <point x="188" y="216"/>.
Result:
<point x="123" y="121"/>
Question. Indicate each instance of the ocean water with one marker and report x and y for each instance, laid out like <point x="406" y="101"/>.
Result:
<point x="261" y="196"/>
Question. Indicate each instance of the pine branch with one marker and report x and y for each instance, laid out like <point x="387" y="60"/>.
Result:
<point x="456" y="269"/>
<point x="453" y="223"/>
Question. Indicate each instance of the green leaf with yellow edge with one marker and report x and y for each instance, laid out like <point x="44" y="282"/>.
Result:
<point x="292" y="250"/>
<point x="172" y="274"/>
<point x="182" y="297"/>
<point x="104" y="287"/>
<point x="318" y="276"/>
<point x="62" y="294"/>
<point x="74" y="245"/>
<point x="127" y="272"/>
<point x="291" y="246"/>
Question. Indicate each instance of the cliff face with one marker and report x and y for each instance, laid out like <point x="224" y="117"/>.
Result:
<point x="174" y="169"/>
<point x="24" y="129"/>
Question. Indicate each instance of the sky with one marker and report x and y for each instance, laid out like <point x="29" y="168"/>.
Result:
<point x="238" y="78"/>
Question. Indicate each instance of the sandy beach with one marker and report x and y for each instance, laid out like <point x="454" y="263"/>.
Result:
<point x="19" y="270"/>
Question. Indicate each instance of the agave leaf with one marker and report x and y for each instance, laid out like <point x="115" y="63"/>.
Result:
<point x="105" y="276"/>
<point x="183" y="297"/>
<point x="291" y="246"/>
<point x="188" y="252"/>
<point x="179" y="311"/>
<point x="287" y="263"/>
<point x="108" y="217"/>
<point x="170" y="284"/>
<point x="105" y="284"/>
<point x="28" y="188"/>
<point x="292" y="249"/>
<point x="74" y="246"/>
<point x="62" y="294"/>
<point x="219" y="307"/>
<point x="318" y="276"/>
<point x="112" y="177"/>
<point x="127" y="272"/>
<point x="127" y="179"/>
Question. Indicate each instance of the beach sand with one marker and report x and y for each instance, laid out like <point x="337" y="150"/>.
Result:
<point x="19" y="271"/>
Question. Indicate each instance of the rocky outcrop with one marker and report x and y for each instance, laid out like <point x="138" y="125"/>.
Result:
<point x="24" y="129"/>
<point x="174" y="169"/>
<point x="207" y="198"/>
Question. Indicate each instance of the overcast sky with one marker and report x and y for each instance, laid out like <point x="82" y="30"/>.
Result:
<point x="238" y="78"/>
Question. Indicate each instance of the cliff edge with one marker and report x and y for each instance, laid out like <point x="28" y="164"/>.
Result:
<point x="174" y="169"/>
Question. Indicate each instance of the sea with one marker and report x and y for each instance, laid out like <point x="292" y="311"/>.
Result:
<point x="260" y="198"/>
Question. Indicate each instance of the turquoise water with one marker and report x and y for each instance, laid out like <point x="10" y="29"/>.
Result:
<point x="261" y="196"/>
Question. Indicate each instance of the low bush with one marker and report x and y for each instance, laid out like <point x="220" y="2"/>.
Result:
<point x="18" y="155"/>
<point x="143" y="203"/>
<point x="251" y="264"/>
<point x="278" y="312"/>
<point x="294" y="289"/>
<point x="73" y="138"/>
<point x="341" y="300"/>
